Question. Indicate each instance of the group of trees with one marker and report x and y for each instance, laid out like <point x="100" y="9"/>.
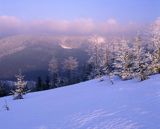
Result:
<point x="60" y="74"/>
<point x="134" y="58"/>
<point x="54" y="79"/>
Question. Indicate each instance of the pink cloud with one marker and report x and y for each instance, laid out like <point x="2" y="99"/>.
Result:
<point x="11" y="24"/>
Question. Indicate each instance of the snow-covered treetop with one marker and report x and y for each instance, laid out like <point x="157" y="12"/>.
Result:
<point x="97" y="39"/>
<point x="70" y="63"/>
<point x="156" y="33"/>
<point x="20" y="80"/>
<point x="53" y="65"/>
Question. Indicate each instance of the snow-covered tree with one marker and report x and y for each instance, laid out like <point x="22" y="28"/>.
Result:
<point x="53" y="70"/>
<point x="109" y="51"/>
<point x="20" y="89"/>
<point x="123" y="60"/>
<point x="70" y="64"/>
<point x="155" y="40"/>
<point x="97" y="55"/>
<point x="141" y="60"/>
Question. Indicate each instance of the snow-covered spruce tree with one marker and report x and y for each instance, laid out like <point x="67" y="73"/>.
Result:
<point x="20" y="89"/>
<point x="155" y="40"/>
<point x="70" y="64"/>
<point x="122" y="60"/>
<point x="108" y="59"/>
<point x="96" y="52"/>
<point x="53" y="70"/>
<point x="141" y="60"/>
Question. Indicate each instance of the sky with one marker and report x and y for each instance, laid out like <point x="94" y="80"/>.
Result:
<point x="70" y="13"/>
<point x="122" y="10"/>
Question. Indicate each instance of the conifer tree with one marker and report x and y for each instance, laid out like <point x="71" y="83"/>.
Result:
<point x="39" y="84"/>
<point x="97" y="54"/>
<point x="53" y="70"/>
<point x="141" y="60"/>
<point x="2" y="90"/>
<point x="155" y="40"/>
<point x="70" y="64"/>
<point x="122" y="60"/>
<point x="20" y="89"/>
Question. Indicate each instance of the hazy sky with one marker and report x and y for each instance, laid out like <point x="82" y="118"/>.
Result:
<point x="99" y="10"/>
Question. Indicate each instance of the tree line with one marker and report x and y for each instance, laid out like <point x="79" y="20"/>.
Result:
<point x="127" y="58"/>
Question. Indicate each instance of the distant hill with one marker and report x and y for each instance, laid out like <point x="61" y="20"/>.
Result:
<point x="32" y="53"/>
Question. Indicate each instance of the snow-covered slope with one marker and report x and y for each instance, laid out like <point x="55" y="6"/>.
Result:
<point x="88" y="105"/>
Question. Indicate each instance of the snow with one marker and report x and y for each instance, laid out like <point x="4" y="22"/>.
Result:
<point x="89" y="105"/>
<point x="65" y="47"/>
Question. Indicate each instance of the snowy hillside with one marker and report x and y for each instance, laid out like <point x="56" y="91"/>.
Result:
<point x="89" y="105"/>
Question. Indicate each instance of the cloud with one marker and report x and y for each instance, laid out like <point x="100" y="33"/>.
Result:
<point x="14" y="25"/>
<point x="112" y="21"/>
<point x="9" y="22"/>
<point x="63" y="26"/>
